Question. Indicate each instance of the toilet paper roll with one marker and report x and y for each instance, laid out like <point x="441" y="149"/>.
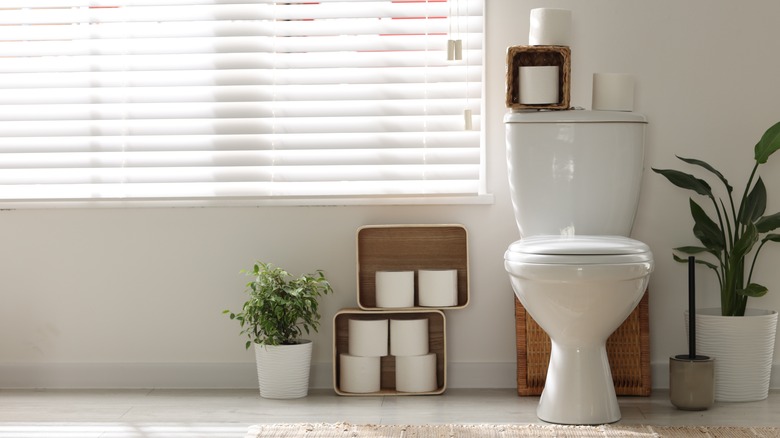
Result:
<point x="409" y="337"/>
<point x="437" y="287"/>
<point x="550" y="27"/>
<point x="613" y="92"/>
<point x="368" y="338"/>
<point x="359" y="374"/>
<point x="538" y="84"/>
<point x="416" y="373"/>
<point x="395" y="288"/>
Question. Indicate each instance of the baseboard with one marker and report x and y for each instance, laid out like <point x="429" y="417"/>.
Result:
<point x="128" y="375"/>
<point x="209" y="375"/>
<point x="244" y="375"/>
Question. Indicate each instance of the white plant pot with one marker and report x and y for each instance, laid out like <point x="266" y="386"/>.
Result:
<point x="743" y="348"/>
<point x="283" y="370"/>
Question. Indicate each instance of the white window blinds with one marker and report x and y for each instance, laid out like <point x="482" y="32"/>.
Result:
<point x="206" y="99"/>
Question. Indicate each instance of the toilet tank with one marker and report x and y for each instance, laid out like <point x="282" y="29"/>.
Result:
<point x="575" y="172"/>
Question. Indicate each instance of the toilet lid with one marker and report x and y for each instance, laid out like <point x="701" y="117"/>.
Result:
<point x="578" y="250"/>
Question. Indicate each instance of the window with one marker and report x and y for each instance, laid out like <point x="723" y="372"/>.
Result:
<point x="199" y="100"/>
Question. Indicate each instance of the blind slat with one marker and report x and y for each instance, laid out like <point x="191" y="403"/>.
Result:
<point x="309" y="76"/>
<point x="306" y="45"/>
<point x="304" y="142"/>
<point x="195" y="12"/>
<point x="199" y="110"/>
<point x="236" y="126"/>
<point x="228" y="61"/>
<point x="222" y="29"/>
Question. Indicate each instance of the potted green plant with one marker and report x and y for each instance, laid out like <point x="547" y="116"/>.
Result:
<point x="279" y="311"/>
<point x="731" y="240"/>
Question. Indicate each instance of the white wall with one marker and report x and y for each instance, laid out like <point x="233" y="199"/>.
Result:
<point x="133" y="297"/>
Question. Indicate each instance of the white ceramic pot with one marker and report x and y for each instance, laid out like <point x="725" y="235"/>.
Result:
<point x="743" y="348"/>
<point x="283" y="370"/>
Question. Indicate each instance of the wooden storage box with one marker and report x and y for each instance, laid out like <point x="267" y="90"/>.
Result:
<point x="436" y="343"/>
<point x="410" y="248"/>
<point x="522" y="56"/>
<point x="628" y="350"/>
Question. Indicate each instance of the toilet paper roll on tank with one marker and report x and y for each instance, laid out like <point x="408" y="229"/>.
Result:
<point x="550" y="27"/>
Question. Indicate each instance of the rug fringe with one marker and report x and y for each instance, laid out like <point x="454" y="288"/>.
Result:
<point x="347" y="430"/>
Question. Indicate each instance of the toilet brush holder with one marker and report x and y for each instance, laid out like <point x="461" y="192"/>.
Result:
<point x="691" y="382"/>
<point x="691" y="376"/>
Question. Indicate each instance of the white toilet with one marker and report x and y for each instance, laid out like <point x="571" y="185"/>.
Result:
<point x="574" y="178"/>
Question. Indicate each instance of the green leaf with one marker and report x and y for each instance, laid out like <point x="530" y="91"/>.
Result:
<point x="703" y="164"/>
<point x="698" y="261"/>
<point x="771" y="238"/>
<point x="769" y="143"/>
<point x="707" y="264"/>
<point x="705" y="229"/>
<point x="692" y="250"/>
<point x="768" y="223"/>
<point x="686" y="181"/>
<point x="754" y="204"/>
<point x="753" y="290"/>
<point x="744" y="244"/>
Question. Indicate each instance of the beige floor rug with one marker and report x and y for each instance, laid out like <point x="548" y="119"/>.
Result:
<point x="345" y="430"/>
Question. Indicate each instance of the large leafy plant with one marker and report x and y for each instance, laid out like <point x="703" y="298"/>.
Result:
<point x="280" y="308"/>
<point x="732" y="235"/>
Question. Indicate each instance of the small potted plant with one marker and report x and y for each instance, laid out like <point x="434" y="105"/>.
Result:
<point x="279" y="311"/>
<point x="731" y="241"/>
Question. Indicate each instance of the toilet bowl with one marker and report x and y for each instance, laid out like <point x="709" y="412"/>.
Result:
<point x="574" y="179"/>
<point x="579" y="289"/>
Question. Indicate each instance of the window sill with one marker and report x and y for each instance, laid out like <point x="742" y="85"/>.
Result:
<point x="482" y="199"/>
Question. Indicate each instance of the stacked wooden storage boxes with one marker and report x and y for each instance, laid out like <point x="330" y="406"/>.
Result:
<point x="395" y="341"/>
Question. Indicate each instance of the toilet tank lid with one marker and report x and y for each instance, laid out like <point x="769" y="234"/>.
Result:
<point x="574" y="116"/>
<point x="608" y="249"/>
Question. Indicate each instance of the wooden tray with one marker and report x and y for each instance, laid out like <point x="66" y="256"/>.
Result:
<point x="436" y="341"/>
<point x="410" y="248"/>
<point x="628" y="350"/>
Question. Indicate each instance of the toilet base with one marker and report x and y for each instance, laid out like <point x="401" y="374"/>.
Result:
<point x="579" y="387"/>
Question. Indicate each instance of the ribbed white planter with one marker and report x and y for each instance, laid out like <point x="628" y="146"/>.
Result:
<point x="283" y="370"/>
<point x="742" y="346"/>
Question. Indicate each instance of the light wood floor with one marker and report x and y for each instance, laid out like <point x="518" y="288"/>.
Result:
<point x="228" y="413"/>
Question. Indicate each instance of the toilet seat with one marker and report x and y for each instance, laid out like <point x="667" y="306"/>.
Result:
<point x="578" y="250"/>
<point x="578" y="288"/>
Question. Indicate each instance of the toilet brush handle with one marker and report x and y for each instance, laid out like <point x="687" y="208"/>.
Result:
<point x="691" y="307"/>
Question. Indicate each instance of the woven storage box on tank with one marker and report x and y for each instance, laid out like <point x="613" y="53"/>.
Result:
<point x="628" y="350"/>
<point x="538" y="56"/>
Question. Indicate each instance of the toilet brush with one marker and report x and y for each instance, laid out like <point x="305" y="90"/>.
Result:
<point x="691" y="308"/>
<point x="691" y="376"/>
